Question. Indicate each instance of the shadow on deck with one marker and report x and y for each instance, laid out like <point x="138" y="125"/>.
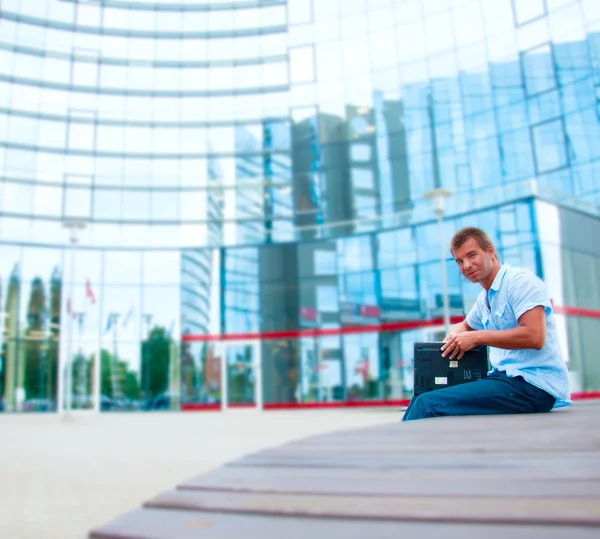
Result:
<point x="467" y="477"/>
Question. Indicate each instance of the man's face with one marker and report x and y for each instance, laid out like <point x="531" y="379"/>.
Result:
<point x="473" y="262"/>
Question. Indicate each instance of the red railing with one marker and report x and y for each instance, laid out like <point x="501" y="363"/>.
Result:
<point x="356" y="329"/>
<point x="321" y="332"/>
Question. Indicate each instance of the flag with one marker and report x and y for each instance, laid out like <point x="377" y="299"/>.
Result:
<point x="108" y="323"/>
<point x="170" y="331"/>
<point x="363" y="370"/>
<point x="69" y="307"/>
<point x="369" y="311"/>
<point x="308" y="313"/>
<point x="89" y="293"/>
<point x="128" y="316"/>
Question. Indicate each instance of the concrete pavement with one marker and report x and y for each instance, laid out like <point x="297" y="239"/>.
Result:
<point x="59" y="479"/>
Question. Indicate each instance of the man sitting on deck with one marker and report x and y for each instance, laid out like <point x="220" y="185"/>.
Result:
<point x="513" y="316"/>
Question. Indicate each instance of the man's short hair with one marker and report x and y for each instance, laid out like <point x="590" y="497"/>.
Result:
<point x="465" y="234"/>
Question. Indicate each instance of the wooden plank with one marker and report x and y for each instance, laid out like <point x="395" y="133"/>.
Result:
<point x="567" y="439"/>
<point x="230" y="477"/>
<point x="571" y="511"/>
<point x="555" y="424"/>
<point x="443" y="461"/>
<point x="407" y="446"/>
<point x="176" y="524"/>
<point x="409" y="483"/>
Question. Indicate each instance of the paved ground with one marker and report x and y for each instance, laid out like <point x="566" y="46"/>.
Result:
<point x="60" y="479"/>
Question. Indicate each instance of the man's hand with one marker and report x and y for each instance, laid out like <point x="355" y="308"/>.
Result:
<point x="458" y="328"/>
<point x="451" y="333"/>
<point x="455" y="345"/>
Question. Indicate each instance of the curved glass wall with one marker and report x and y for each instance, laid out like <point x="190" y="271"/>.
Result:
<point x="173" y="129"/>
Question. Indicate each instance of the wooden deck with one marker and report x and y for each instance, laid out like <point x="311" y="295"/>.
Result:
<point x="469" y="477"/>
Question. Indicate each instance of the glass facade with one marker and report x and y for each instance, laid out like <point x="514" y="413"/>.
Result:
<point x="347" y="288"/>
<point x="258" y="168"/>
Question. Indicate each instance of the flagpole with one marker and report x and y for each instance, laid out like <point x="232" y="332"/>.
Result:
<point x="81" y="382"/>
<point x="97" y="387"/>
<point x="114" y="362"/>
<point x="146" y="360"/>
<point x="64" y="370"/>
<point x="95" y="372"/>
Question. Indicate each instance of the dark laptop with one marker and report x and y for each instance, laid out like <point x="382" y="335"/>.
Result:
<point x="432" y="371"/>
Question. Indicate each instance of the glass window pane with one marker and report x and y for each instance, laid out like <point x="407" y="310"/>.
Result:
<point x="81" y="136"/>
<point x="327" y="299"/>
<point x="527" y="10"/>
<point x="302" y="67"/>
<point x="77" y="203"/>
<point x="17" y="198"/>
<point x="48" y="201"/>
<point x="85" y="74"/>
<point x="550" y="151"/>
<point x="122" y="267"/>
<point x="136" y="205"/>
<point x="299" y="11"/>
<point x="107" y="204"/>
<point x="165" y="205"/>
<point x="538" y="68"/>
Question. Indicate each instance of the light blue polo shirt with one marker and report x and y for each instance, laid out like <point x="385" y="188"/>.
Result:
<point x="514" y="292"/>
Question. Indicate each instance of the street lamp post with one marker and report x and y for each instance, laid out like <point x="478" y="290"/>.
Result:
<point x="148" y="320"/>
<point x="81" y="383"/>
<point x="438" y="198"/>
<point x="65" y="364"/>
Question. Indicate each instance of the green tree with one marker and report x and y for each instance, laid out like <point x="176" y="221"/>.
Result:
<point x="156" y="351"/>
<point x="131" y="388"/>
<point x="241" y="388"/>
<point x="35" y="349"/>
<point x="189" y="373"/>
<point x="10" y="342"/>
<point x="54" y="334"/>
<point x="81" y="377"/>
<point x="106" y="387"/>
<point x="116" y="380"/>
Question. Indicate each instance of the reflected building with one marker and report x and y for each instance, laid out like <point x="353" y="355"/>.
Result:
<point x="252" y="176"/>
<point x="10" y="344"/>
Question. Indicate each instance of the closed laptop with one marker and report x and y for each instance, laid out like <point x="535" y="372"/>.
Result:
<point x="432" y="371"/>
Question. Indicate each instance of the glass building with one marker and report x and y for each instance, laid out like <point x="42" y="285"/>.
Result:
<point x="211" y="202"/>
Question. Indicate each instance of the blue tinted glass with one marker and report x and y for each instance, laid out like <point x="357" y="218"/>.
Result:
<point x="538" y="69"/>
<point x="549" y="142"/>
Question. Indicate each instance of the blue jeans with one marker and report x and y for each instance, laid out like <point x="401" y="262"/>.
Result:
<point x="496" y="394"/>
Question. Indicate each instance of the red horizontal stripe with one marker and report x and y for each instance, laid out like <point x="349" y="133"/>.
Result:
<point x="576" y="311"/>
<point x="320" y="332"/>
<point x="214" y="407"/>
<point x="189" y="407"/>
<point x="351" y="330"/>
<point x="242" y="405"/>
<point x="580" y="395"/>
<point x="339" y="404"/>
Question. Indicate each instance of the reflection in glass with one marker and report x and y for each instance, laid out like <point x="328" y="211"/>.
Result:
<point x="280" y="364"/>
<point x="159" y="369"/>
<point x="362" y="369"/>
<point x="201" y="373"/>
<point x="203" y="144"/>
<point x="242" y="360"/>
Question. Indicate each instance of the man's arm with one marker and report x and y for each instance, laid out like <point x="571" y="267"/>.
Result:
<point x="530" y="333"/>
